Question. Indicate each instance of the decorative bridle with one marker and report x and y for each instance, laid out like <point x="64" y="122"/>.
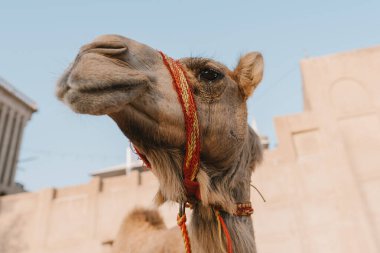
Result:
<point x="192" y="156"/>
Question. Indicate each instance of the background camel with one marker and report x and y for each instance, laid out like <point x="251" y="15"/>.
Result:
<point x="128" y="81"/>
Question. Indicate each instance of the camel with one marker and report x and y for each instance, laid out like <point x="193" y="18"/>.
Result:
<point x="129" y="82"/>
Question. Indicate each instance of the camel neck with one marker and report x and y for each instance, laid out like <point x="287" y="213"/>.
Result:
<point x="235" y="184"/>
<point x="221" y="186"/>
<point x="205" y="237"/>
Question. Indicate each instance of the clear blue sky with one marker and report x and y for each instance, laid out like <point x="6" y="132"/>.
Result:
<point x="38" y="39"/>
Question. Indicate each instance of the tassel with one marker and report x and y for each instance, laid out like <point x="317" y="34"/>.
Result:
<point x="222" y="224"/>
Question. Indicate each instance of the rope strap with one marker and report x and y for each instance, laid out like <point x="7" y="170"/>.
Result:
<point x="181" y="221"/>
<point x="143" y="158"/>
<point x="189" y="109"/>
<point x="243" y="209"/>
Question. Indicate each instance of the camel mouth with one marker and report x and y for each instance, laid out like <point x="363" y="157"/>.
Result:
<point x="102" y="101"/>
<point x="114" y="88"/>
<point x="96" y="85"/>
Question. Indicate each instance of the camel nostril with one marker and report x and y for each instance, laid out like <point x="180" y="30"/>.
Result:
<point x="110" y="45"/>
<point x="106" y="47"/>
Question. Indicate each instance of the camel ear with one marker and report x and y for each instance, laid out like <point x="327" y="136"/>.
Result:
<point x="249" y="72"/>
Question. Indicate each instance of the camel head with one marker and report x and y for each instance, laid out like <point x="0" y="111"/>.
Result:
<point x="129" y="82"/>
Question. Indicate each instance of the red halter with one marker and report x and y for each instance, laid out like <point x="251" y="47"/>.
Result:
<point x="189" y="109"/>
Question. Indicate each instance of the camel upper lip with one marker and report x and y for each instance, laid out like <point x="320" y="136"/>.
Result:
<point x="115" y="87"/>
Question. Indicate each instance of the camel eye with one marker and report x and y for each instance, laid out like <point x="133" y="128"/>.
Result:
<point x="209" y="75"/>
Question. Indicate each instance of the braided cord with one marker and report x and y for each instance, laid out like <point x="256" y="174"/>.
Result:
<point x="181" y="221"/>
<point x="220" y="232"/>
<point x="186" y="99"/>
<point x="192" y="149"/>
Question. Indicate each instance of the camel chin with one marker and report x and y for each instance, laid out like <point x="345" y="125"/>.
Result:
<point x="101" y="102"/>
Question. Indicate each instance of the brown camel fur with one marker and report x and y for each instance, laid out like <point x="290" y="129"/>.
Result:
<point x="144" y="231"/>
<point x="129" y="82"/>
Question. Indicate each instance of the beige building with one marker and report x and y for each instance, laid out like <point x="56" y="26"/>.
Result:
<point x="15" y="110"/>
<point x="322" y="182"/>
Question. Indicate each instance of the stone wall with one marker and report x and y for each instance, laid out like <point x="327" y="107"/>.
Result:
<point x="322" y="182"/>
<point x="83" y="218"/>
